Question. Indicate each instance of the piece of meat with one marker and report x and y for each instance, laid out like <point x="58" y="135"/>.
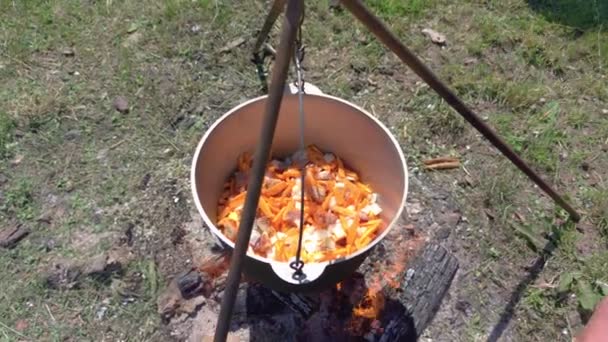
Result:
<point x="314" y="190"/>
<point x="230" y="229"/>
<point x="363" y="217"/>
<point x="324" y="175"/>
<point x="293" y="216"/>
<point x="263" y="224"/>
<point x="325" y="218"/>
<point x="262" y="245"/>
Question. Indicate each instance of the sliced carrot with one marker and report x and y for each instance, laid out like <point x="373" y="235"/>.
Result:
<point x="341" y="172"/>
<point x="325" y="204"/>
<point x="368" y="233"/>
<point x="265" y="208"/>
<point x="343" y="211"/>
<point x="291" y="173"/>
<point x="372" y="223"/>
<point x="276" y="202"/>
<point x="365" y="188"/>
<point x="276" y="220"/>
<point x="275" y="189"/>
<point x="362" y="243"/>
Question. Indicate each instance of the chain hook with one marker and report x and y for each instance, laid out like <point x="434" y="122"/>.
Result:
<point x="299" y="55"/>
<point x="298" y="264"/>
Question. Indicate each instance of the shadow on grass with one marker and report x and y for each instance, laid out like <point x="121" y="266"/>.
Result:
<point x="581" y="14"/>
<point x="534" y="271"/>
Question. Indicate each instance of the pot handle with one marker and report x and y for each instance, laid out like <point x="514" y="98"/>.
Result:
<point x="309" y="89"/>
<point x="311" y="272"/>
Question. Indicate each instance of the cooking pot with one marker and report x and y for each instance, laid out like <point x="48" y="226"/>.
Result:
<point x="332" y="124"/>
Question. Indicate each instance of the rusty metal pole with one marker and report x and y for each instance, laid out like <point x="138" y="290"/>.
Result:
<point x="271" y="18"/>
<point x="262" y="154"/>
<point x="258" y="55"/>
<point x="375" y="25"/>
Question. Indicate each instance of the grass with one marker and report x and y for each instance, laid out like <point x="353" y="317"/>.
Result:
<point x="534" y="71"/>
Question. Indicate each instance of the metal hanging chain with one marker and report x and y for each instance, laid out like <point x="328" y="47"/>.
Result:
<point x="297" y="265"/>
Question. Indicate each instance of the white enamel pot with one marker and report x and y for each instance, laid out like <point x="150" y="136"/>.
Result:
<point x="332" y="124"/>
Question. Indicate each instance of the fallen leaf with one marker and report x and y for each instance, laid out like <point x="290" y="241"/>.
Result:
<point x="232" y="45"/>
<point x="132" y="39"/>
<point x="435" y="36"/>
<point x="543" y="285"/>
<point x="470" y="60"/>
<point x="587" y="298"/>
<point x="121" y="104"/>
<point x="68" y="52"/>
<point x="21" y="325"/>
<point x="18" y="159"/>
<point x="132" y="28"/>
<point x="489" y="214"/>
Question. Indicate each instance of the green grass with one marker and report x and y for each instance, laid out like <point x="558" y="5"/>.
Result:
<point x="18" y="201"/>
<point x="400" y="8"/>
<point x="7" y="126"/>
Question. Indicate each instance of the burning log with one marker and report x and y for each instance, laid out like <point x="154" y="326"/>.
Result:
<point x="425" y="283"/>
<point x="356" y="309"/>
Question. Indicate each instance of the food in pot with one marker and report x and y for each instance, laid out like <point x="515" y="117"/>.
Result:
<point x="341" y="213"/>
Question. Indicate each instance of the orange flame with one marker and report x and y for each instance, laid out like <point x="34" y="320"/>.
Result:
<point x="371" y="305"/>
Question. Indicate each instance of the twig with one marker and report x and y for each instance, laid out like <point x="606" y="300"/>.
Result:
<point x="441" y="160"/>
<point x="337" y="70"/>
<point x="217" y="12"/>
<point x="269" y="49"/>
<point x="466" y="171"/>
<point x="443" y="166"/>
<point x="117" y="144"/>
<point x="50" y="313"/>
<point x="14" y="331"/>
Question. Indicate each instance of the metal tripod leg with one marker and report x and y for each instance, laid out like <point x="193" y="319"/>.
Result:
<point x="377" y="27"/>
<point x="271" y="18"/>
<point x="258" y="56"/>
<point x="262" y="154"/>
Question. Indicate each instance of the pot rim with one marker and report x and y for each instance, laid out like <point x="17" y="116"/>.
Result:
<point x="231" y="244"/>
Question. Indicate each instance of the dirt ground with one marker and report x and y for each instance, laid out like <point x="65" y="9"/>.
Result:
<point x="103" y="102"/>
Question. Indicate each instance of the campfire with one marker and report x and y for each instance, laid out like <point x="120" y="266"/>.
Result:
<point x="376" y="303"/>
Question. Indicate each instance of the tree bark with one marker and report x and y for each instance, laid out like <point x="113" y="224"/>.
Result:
<point x="425" y="283"/>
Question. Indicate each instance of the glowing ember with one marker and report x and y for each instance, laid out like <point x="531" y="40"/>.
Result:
<point x="215" y="266"/>
<point x="367" y="312"/>
<point x="371" y="305"/>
